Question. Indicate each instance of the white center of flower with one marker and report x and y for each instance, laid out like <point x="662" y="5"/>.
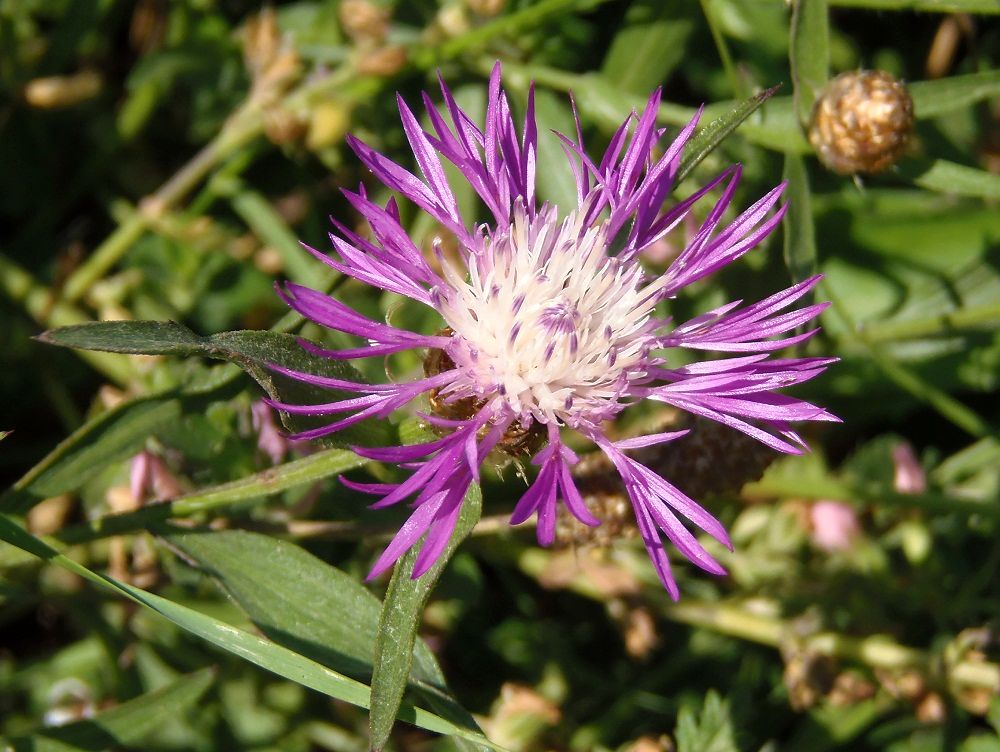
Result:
<point x="549" y="322"/>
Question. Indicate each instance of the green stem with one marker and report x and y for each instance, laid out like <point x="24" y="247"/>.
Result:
<point x="739" y="91"/>
<point x="944" y="323"/>
<point x="245" y="125"/>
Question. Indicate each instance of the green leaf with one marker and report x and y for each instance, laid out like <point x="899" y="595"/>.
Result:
<point x="310" y="607"/>
<point x="809" y="54"/>
<point x="400" y="619"/>
<point x="259" y="651"/>
<point x="253" y="351"/>
<point x="127" y="724"/>
<point x="650" y="43"/>
<point x="303" y="603"/>
<point x="944" y="95"/>
<point x="132" y="337"/>
<point x="711" y="730"/>
<point x="555" y="179"/>
<point x="925" y="6"/>
<point x="309" y="469"/>
<point x="709" y="137"/>
<point x="800" y="233"/>
<point x="948" y="177"/>
<point x="107" y="438"/>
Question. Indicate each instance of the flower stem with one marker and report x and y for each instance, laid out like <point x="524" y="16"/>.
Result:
<point x="944" y="323"/>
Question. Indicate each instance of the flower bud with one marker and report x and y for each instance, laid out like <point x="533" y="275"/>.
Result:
<point x="834" y="525"/>
<point x="363" y="20"/>
<point x="861" y="122"/>
<point x="54" y="92"/>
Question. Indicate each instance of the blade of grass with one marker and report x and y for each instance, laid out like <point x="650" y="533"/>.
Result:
<point x="809" y="54"/>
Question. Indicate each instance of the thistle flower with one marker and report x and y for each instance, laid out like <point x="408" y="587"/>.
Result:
<point x="549" y="322"/>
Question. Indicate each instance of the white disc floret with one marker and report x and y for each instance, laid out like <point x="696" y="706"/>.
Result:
<point x="549" y="322"/>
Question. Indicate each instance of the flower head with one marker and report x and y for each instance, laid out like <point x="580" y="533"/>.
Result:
<point x="549" y="322"/>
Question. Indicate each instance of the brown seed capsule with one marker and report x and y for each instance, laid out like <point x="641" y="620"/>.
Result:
<point x="861" y="122"/>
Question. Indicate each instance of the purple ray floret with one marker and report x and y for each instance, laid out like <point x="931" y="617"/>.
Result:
<point x="548" y="322"/>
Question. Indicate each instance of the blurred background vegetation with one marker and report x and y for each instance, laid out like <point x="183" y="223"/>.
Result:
<point x="161" y="160"/>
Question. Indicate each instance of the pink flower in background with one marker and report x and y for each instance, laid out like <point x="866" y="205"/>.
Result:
<point x="549" y="322"/>
<point x="834" y="525"/>
<point x="150" y="478"/>
<point x="908" y="476"/>
<point x="270" y="440"/>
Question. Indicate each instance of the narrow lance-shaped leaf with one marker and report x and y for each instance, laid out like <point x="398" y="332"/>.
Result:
<point x="310" y="607"/>
<point x="253" y="351"/>
<point x="809" y="54"/>
<point x="650" y="43"/>
<point x="799" y="230"/>
<point x="943" y="95"/>
<point x="948" y="177"/>
<point x="555" y="181"/>
<point x="297" y="472"/>
<point x="400" y="619"/>
<point x="709" y="137"/>
<point x="264" y="653"/>
<point x="107" y="438"/>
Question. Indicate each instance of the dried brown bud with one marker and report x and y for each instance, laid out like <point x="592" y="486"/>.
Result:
<point x="363" y="21"/>
<point x="520" y="716"/>
<point x="283" y="126"/>
<point x="386" y="61"/>
<point x="148" y="26"/>
<point x="53" y="92"/>
<point x="651" y="744"/>
<point x="261" y="41"/>
<point x="861" y="122"/>
<point x="486" y="8"/>
<point x="269" y="56"/>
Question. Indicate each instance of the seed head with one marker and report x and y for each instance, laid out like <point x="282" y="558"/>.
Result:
<point x="861" y="122"/>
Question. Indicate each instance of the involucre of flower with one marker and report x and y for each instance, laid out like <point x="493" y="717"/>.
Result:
<point x="548" y="322"/>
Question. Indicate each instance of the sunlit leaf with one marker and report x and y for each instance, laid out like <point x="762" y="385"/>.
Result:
<point x="264" y="653"/>
<point x="810" y="53"/>
<point x="253" y="351"/>
<point x="400" y="620"/>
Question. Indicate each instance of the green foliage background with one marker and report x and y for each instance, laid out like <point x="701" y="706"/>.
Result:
<point x="161" y="160"/>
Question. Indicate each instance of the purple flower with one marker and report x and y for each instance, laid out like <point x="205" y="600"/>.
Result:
<point x="550" y="322"/>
